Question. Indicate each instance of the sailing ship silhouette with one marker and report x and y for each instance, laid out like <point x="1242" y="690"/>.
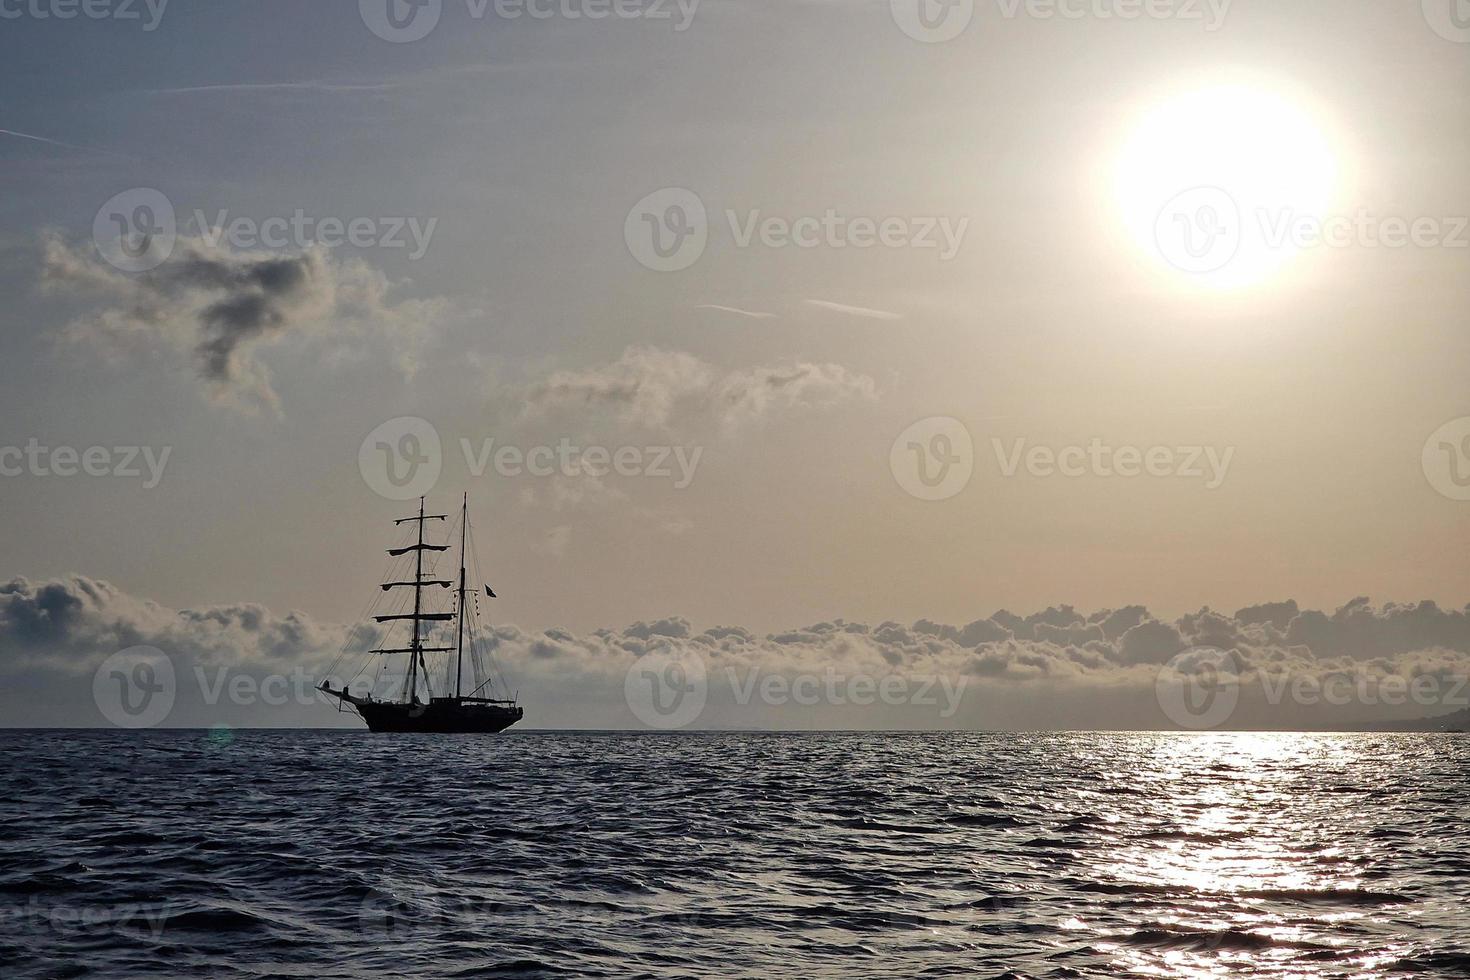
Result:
<point x="452" y="711"/>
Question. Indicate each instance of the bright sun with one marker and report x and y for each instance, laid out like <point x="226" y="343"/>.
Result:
<point x="1208" y="182"/>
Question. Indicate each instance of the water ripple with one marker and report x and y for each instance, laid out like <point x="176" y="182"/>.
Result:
<point x="331" y="854"/>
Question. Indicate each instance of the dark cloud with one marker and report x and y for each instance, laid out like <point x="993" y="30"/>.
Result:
<point x="259" y="298"/>
<point x="221" y="307"/>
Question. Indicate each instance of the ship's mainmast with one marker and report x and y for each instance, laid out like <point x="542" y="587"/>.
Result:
<point x="464" y="531"/>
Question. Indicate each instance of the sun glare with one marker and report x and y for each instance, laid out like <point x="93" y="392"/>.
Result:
<point x="1211" y="181"/>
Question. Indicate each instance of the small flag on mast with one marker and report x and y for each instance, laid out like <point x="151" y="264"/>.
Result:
<point x="490" y="594"/>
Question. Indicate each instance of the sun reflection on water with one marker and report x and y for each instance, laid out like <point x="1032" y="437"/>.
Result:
<point x="1237" y="827"/>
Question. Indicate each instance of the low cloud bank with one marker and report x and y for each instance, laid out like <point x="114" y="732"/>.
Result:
<point x="1295" y="668"/>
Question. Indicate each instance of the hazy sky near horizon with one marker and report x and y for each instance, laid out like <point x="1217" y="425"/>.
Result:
<point x="530" y="318"/>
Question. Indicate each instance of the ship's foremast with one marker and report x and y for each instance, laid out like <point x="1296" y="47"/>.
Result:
<point x="416" y="648"/>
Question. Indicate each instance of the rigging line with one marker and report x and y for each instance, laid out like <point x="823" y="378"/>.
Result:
<point x="377" y="636"/>
<point x="489" y="651"/>
<point x="477" y="663"/>
<point x="353" y="627"/>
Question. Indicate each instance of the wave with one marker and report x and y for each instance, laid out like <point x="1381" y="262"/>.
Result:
<point x="1213" y="940"/>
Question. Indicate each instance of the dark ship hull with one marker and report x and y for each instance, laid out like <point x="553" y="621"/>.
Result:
<point x="441" y="715"/>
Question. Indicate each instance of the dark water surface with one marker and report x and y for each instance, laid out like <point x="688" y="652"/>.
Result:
<point x="337" y="854"/>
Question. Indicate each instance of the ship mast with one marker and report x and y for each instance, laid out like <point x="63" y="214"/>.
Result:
<point x="414" y="653"/>
<point x="416" y="649"/>
<point x="464" y="530"/>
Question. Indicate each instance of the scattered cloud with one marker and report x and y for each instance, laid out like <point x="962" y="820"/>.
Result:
<point x="220" y="308"/>
<point x="568" y="493"/>
<point x="663" y="390"/>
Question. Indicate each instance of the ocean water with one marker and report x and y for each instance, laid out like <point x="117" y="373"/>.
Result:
<point x="342" y="854"/>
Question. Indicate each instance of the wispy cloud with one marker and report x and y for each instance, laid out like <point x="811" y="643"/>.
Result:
<point x="70" y="146"/>
<point x="308" y="85"/>
<point x="326" y="86"/>
<point x="663" y="389"/>
<point x="858" y="311"/>
<point x="752" y="314"/>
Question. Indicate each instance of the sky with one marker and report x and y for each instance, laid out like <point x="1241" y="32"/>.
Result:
<point x="880" y="309"/>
